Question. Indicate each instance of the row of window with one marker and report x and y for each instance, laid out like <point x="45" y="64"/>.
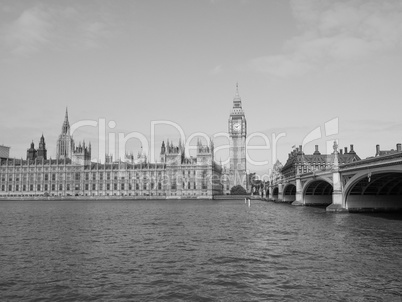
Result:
<point x="118" y="194"/>
<point x="87" y="176"/>
<point x="305" y="169"/>
<point x="94" y="187"/>
<point x="67" y="168"/>
<point x="185" y="182"/>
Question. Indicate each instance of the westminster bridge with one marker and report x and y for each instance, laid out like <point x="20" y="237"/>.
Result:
<point x="372" y="184"/>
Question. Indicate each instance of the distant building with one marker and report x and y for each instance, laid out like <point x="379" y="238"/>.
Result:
<point x="276" y="172"/>
<point x="73" y="174"/>
<point x="4" y="152"/>
<point x="298" y="162"/>
<point x="387" y="152"/>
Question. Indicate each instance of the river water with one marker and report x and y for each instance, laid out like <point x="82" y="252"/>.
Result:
<point x="172" y="250"/>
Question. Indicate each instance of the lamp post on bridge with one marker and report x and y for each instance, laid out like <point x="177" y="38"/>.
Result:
<point x="336" y="205"/>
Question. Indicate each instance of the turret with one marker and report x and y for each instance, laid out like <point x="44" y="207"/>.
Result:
<point x="31" y="152"/>
<point x="42" y="152"/>
<point x="81" y="154"/>
<point x="316" y="152"/>
<point x="163" y="152"/>
<point x="175" y="154"/>
<point x="205" y="153"/>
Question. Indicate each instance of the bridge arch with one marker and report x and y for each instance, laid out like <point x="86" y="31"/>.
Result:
<point x="318" y="192"/>
<point x="289" y="192"/>
<point x="378" y="189"/>
<point x="275" y="193"/>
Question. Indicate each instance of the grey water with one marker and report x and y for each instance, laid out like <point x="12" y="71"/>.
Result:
<point x="172" y="250"/>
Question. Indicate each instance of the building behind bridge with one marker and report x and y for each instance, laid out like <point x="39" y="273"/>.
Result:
<point x="298" y="162"/>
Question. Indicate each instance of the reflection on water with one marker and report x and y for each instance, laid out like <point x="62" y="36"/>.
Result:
<point x="196" y="251"/>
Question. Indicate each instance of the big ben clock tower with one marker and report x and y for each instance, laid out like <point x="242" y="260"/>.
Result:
<point x="237" y="150"/>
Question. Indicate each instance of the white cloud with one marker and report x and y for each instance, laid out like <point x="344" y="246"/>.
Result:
<point x="53" y="26"/>
<point x="336" y="31"/>
<point x="29" y="32"/>
<point x="217" y="69"/>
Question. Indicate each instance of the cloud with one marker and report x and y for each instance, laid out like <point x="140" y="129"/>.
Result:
<point x="53" y="26"/>
<point x="217" y="69"/>
<point x="29" y="32"/>
<point x="336" y="31"/>
<point x="281" y="65"/>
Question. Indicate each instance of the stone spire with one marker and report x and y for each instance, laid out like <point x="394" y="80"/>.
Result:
<point x="65" y="143"/>
<point x="163" y="148"/>
<point x="237" y="99"/>
<point x="237" y="106"/>
<point x="66" y="125"/>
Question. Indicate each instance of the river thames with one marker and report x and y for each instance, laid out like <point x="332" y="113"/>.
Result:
<point x="171" y="250"/>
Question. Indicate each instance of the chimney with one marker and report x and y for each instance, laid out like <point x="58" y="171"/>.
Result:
<point x="341" y="151"/>
<point x="377" y="149"/>
<point x="398" y="147"/>
<point x="351" y="150"/>
<point x="346" y="150"/>
<point x="316" y="152"/>
<point x="300" y="148"/>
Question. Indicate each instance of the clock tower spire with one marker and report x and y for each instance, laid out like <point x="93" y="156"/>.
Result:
<point x="237" y="136"/>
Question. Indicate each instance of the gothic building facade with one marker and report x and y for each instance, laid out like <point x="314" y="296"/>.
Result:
<point x="175" y="175"/>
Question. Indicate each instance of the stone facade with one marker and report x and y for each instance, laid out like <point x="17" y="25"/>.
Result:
<point x="73" y="174"/>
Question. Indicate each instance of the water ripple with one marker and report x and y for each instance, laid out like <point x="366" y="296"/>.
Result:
<point x="195" y="251"/>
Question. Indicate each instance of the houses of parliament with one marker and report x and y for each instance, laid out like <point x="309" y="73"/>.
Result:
<point x="72" y="173"/>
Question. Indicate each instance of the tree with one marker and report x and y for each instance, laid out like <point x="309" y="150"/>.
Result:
<point x="238" y="190"/>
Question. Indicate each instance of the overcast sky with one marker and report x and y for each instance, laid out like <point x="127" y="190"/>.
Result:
<point x="299" y="64"/>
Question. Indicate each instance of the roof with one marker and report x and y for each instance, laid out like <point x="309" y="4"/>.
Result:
<point x="318" y="159"/>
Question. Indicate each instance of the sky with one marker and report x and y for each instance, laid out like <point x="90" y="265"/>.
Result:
<point x="309" y="72"/>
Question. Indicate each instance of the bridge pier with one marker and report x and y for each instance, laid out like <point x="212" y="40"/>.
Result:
<point x="337" y="196"/>
<point x="280" y="192"/>
<point x="299" y="192"/>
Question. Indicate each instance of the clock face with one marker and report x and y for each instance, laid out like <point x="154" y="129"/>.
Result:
<point x="236" y="127"/>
